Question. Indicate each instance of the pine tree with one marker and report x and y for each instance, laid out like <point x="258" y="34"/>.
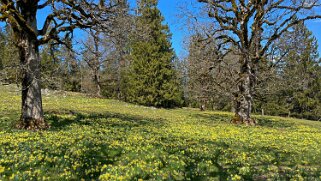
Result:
<point x="304" y="69"/>
<point x="294" y="89"/>
<point x="152" y="79"/>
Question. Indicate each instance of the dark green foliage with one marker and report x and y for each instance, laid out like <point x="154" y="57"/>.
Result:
<point x="307" y="103"/>
<point x="9" y="57"/>
<point x="304" y="70"/>
<point x="152" y="79"/>
<point x="60" y="68"/>
<point x="117" y="47"/>
<point x="49" y="69"/>
<point x="294" y="90"/>
<point x="69" y="68"/>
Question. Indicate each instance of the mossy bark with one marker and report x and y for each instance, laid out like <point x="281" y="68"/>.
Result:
<point x="243" y="97"/>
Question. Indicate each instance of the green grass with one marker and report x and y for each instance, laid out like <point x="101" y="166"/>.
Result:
<point x="105" y="139"/>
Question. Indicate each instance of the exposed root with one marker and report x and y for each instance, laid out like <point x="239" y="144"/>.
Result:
<point x="32" y="124"/>
<point x="250" y="122"/>
<point x="239" y="120"/>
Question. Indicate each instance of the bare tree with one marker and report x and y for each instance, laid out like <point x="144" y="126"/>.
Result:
<point x="95" y="55"/>
<point x="65" y="16"/>
<point x="251" y="27"/>
<point x="211" y="69"/>
<point x="105" y="52"/>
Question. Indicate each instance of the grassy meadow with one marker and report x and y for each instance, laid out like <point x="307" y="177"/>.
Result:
<point x="102" y="139"/>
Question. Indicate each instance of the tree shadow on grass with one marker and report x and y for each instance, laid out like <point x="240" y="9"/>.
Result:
<point x="263" y="122"/>
<point x="107" y="119"/>
<point x="213" y="171"/>
<point x="119" y="122"/>
<point x="212" y="118"/>
<point x="118" y="127"/>
<point x="8" y="120"/>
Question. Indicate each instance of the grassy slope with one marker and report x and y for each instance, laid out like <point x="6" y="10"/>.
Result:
<point x="111" y="140"/>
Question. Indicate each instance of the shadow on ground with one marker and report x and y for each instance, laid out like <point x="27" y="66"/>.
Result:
<point x="8" y="120"/>
<point x="62" y="120"/>
<point x="264" y="122"/>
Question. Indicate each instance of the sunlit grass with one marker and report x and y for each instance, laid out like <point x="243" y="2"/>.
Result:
<point x="111" y="140"/>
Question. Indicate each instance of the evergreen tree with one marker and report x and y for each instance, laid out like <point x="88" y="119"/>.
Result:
<point x="122" y="29"/>
<point x="303" y="69"/>
<point x="152" y="79"/>
<point x="294" y="89"/>
<point x="9" y="57"/>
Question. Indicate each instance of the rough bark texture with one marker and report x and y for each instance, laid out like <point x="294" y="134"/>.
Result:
<point x="32" y="117"/>
<point x="243" y="97"/>
<point x="61" y="20"/>
<point x="97" y="82"/>
<point x="31" y="108"/>
<point x="251" y="27"/>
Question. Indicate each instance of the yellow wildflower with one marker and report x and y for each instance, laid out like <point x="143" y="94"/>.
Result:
<point x="2" y="169"/>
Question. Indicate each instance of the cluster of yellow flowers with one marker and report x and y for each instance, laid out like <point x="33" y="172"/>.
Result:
<point x="111" y="140"/>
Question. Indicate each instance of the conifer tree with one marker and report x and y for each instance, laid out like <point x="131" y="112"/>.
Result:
<point x="294" y="89"/>
<point x="152" y="79"/>
<point x="301" y="73"/>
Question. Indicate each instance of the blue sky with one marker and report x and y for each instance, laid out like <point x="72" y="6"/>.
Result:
<point x="171" y="11"/>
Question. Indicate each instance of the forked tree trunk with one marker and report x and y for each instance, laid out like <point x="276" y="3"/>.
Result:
<point x="243" y="97"/>
<point x="32" y="117"/>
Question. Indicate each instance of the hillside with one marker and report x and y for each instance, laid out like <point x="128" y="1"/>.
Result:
<point x="106" y="139"/>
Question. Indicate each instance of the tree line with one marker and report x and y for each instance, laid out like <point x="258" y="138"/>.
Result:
<point x="288" y="81"/>
<point x="249" y="56"/>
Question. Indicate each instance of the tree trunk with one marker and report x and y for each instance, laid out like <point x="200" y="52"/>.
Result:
<point x="32" y="117"/>
<point x="97" y="82"/>
<point x="243" y="97"/>
<point x="97" y="63"/>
